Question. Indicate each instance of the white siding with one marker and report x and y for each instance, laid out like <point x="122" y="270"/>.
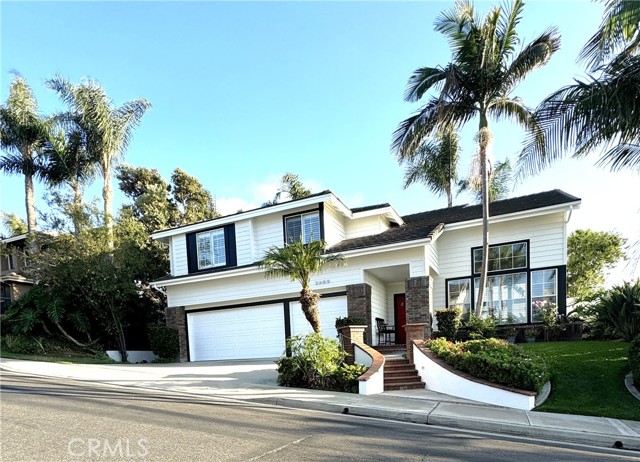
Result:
<point x="267" y="232"/>
<point x="178" y="251"/>
<point x="547" y="246"/>
<point x="334" y="231"/>
<point x="330" y="308"/>
<point x="379" y="307"/>
<point x="244" y="242"/>
<point x="365" y="226"/>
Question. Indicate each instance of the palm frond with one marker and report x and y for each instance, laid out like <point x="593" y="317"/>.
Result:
<point x="422" y="80"/>
<point x="534" y="55"/>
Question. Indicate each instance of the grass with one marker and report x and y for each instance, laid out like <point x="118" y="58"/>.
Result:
<point x="59" y="358"/>
<point x="587" y="378"/>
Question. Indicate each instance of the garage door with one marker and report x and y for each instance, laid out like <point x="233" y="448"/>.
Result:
<point x="330" y="309"/>
<point x="239" y="333"/>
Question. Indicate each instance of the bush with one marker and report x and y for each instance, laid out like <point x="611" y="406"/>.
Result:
<point x="634" y="360"/>
<point x="493" y="360"/>
<point x="164" y="342"/>
<point x="479" y="328"/>
<point x="317" y="362"/>
<point x="349" y="321"/>
<point x="23" y="344"/>
<point x="448" y="322"/>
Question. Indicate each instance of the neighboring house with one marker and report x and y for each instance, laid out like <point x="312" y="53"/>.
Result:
<point x="13" y="284"/>
<point x="398" y="268"/>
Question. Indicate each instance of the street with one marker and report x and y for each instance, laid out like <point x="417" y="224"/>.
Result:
<point x="44" y="419"/>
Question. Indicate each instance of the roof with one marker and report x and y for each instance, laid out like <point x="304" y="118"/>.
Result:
<point x="369" y="207"/>
<point x="422" y="225"/>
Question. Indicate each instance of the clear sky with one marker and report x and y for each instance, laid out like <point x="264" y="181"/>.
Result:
<point x="245" y="91"/>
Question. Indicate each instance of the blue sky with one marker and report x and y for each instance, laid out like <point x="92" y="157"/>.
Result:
<point x="245" y="91"/>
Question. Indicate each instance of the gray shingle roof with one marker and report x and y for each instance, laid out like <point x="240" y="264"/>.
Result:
<point x="422" y="225"/>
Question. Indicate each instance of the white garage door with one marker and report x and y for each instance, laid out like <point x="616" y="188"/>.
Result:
<point x="239" y="333"/>
<point x="330" y="309"/>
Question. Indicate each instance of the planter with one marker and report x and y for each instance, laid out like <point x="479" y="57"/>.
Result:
<point x="511" y="340"/>
<point x="531" y="340"/>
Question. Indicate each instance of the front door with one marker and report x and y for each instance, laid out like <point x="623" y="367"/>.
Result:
<point x="400" y="315"/>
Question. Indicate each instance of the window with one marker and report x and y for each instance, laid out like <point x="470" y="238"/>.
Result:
<point x="211" y="249"/>
<point x="505" y="298"/>
<point x="459" y="291"/>
<point x="544" y="292"/>
<point x="10" y="262"/>
<point x="304" y="227"/>
<point x="502" y="257"/>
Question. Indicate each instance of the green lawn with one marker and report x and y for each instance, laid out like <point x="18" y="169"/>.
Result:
<point x="61" y="358"/>
<point x="587" y="378"/>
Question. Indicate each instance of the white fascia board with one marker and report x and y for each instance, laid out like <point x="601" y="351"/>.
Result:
<point x="274" y="209"/>
<point x="385" y="248"/>
<point x="207" y="276"/>
<point x="18" y="238"/>
<point x="387" y="211"/>
<point x="515" y="216"/>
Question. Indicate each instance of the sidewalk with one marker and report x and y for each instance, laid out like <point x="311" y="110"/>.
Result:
<point x="255" y="381"/>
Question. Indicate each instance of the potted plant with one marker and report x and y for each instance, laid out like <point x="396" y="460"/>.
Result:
<point x="531" y="333"/>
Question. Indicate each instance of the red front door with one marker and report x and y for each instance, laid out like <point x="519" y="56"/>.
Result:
<point x="400" y="314"/>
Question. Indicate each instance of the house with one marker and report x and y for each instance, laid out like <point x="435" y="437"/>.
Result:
<point x="399" y="268"/>
<point x="13" y="284"/>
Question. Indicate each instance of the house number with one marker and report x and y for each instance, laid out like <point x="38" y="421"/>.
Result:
<point x="323" y="282"/>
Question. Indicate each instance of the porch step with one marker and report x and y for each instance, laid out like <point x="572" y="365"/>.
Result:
<point x="386" y="349"/>
<point x="399" y="374"/>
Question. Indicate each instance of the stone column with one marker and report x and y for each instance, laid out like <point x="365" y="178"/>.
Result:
<point x="351" y="334"/>
<point x="415" y="331"/>
<point x="417" y="302"/>
<point x="359" y="306"/>
<point x="176" y="319"/>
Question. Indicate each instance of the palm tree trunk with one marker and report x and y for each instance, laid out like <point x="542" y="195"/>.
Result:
<point x="107" y="197"/>
<point x="447" y="190"/>
<point x="309" y="305"/>
<point x="77" y="207"/>
<point x="483" y="141"/>
<point x="30" y="203"/>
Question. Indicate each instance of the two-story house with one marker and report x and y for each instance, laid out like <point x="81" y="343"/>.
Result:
<point x="13" y="284"/>
<point x="399" y="268"/>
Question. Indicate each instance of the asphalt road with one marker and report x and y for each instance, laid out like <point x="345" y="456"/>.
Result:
<point x="44" y="419"/>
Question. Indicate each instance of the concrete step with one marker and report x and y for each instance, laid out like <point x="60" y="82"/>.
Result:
<point x="404" y="386"/>
<point x="402" y="379"/>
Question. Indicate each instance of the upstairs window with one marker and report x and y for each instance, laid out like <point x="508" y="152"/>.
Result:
<point x="211" y="249"/>
<point x="504" y="257"/>
<point x="304" y="227"/>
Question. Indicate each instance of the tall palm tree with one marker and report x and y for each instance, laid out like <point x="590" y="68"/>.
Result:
<point x="600" y="111"/>
<point x="479" y="81"/>
<point x="22" y="133"/>
<point x="500" y="183"/>
<point x="108" y="129"/>
<point x="298" y="262"/>
<point x="435" y="164"/>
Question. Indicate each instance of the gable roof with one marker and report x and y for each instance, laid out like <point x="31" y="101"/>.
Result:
<point x="423" y="225"/>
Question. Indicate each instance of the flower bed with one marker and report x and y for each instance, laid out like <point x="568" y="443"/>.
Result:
<point x="493" y="360"/>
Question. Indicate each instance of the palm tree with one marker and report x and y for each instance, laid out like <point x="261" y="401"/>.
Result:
<point x="601" y="111"/>
<point x="22" y="132"/>
<point x="500" y="182"/>
<point x="108" y="129"/>
<point x="298" y="262"/>
<point x="67" y="162"/>
<point x="479" y="81"/>
<point x="435" y="164"/>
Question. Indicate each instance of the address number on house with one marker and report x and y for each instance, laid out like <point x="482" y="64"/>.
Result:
<point x="323" y="282"/>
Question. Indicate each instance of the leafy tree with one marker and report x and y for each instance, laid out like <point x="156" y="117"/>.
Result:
<point x="107" y="129"/>
<point x="194" y="202"/>
<point x="14" y="224"/>
<point x="22" y="132"/>
<point x="590" y="253"/>
<point x="298" y="262"/>
<point x="599" y="112"/>
<point x="479" y="81"/>
<point x="290" y="185"/>
<point x="435" y="164"/>
<point x="500" y="183"/>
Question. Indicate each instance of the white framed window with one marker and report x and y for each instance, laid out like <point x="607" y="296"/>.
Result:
<point x="11" y="262"/>
<point x="304" y="227"/>
<point x="459" y="295"/>
<point x="211" y="249"/>
<point x="505" y="298"/>
<point x="544" y="292"/>
<point x="502" y="257"/>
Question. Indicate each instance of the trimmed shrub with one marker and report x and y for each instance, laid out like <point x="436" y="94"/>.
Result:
<point x="349" y="321"/>
<point x="479" y="328"/>
<point x="164" y="341"/>
<point x="317" y="362"/>
<point x="634" y="360"/>
<point x="495" y="361"/>
<point x="448" y="322"/>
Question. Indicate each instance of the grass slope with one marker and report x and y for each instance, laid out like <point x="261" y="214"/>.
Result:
<point x="587" y="378"/>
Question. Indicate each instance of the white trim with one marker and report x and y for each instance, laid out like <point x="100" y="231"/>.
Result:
<point x="387" y="211"/>
<point x="9" y="240"/>
<point x="385" y="248"/>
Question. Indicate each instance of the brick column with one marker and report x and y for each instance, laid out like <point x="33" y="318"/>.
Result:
<point x="176" y="320"/>
<point x="417" y="302"/>
<point x="415" y="331"/>
<point x="351" y="334"/>
<point x="359" y="305"/>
